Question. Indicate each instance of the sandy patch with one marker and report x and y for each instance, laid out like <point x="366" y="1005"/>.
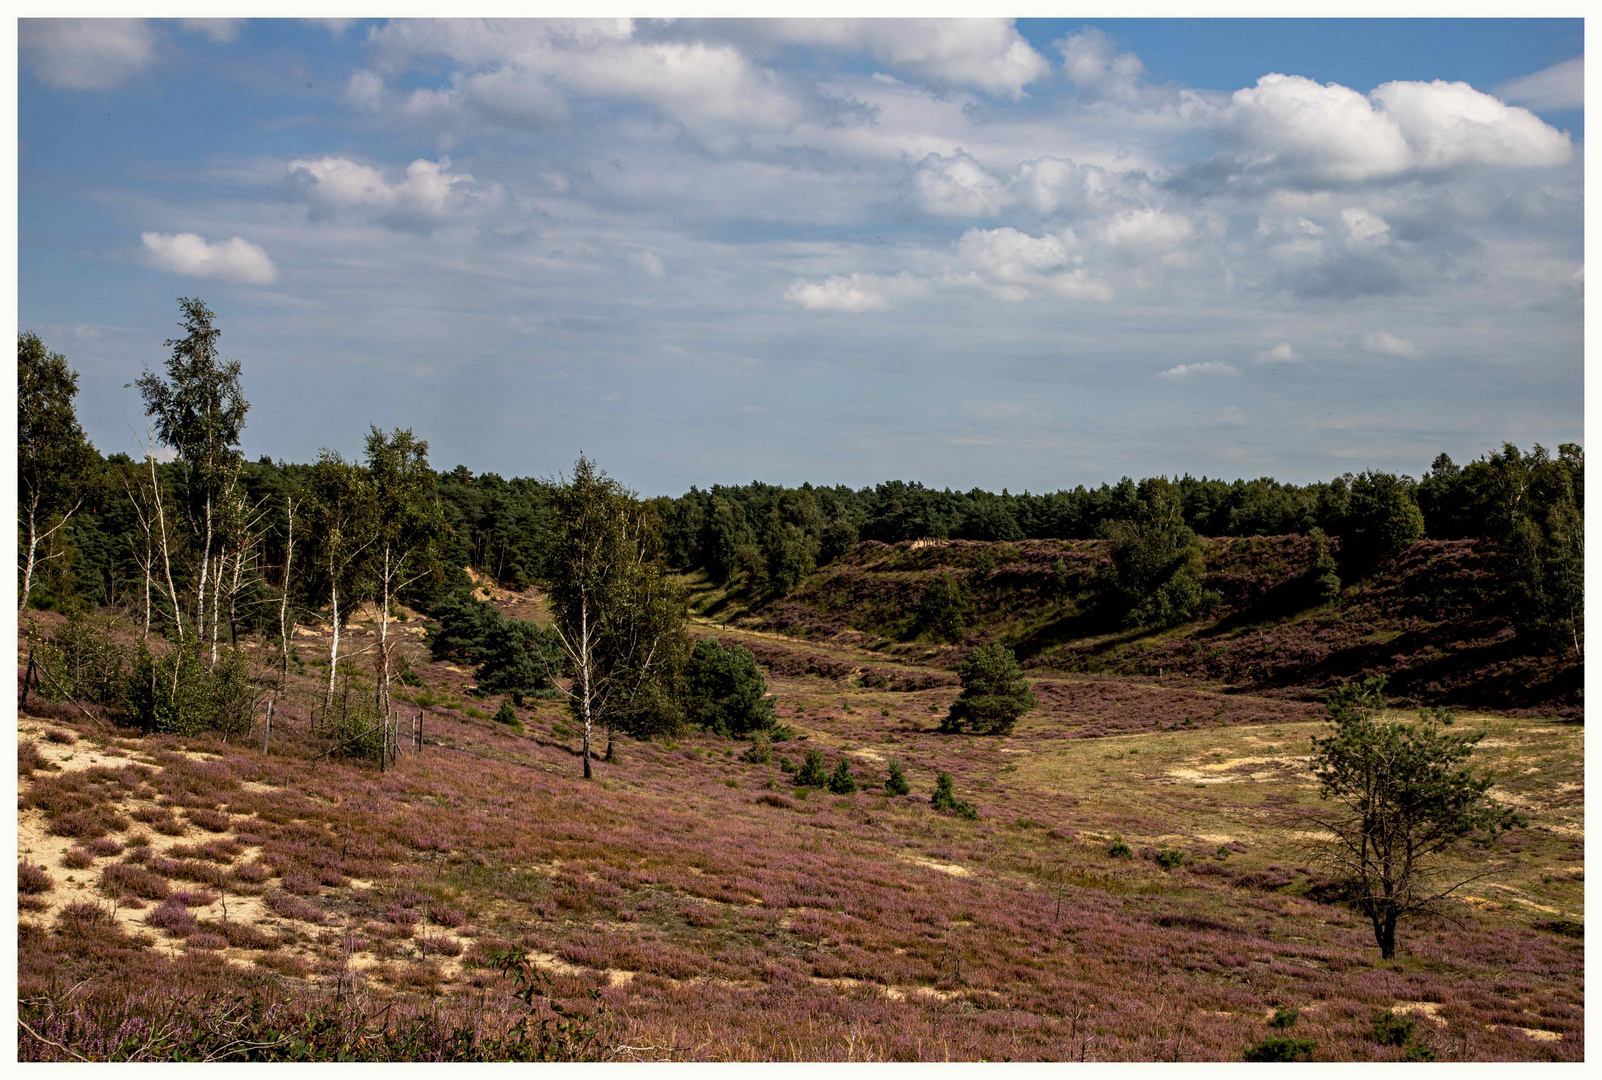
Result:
<point x="945" y="868"/>
<point x="869" y="755"/>
<point x="1429" y="1009"/>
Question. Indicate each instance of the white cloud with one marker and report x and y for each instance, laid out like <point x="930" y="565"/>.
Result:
<point x="365" y="91"/>
<point x="859" y="292"/>
<point x="988" y="54"/>
<point x="222" y="31"/>
<point x="1147" y="231"/>
<point x="1558" y="88"/>
<point x="648" y="263"/>
<point x="1283" y="353"/>
<point x="1385" y="343"/>
<point x="1014" y="266"/>
<point x="1092" y="62"/>
<point x="1331" y="132"/>
<point x="957" y="186"/>
<point x="85" y="54"/>
<point x="1205" y="367"/>
<point x="233" y="259"/>
<point x="429" y="192"/>
<point x="336" y="27"/>
<point x="1364" y="228"/>
<point x="1451" y="123"/>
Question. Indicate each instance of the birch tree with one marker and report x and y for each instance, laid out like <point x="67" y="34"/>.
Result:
<point x="340" y="531"/>
<point x="198" y="411"/>
<point x="616" y="625"/>
<point x="407" y="522"/>
<point x="52" y="454"/>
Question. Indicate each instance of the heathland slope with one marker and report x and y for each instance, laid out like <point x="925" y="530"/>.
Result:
<point x="716" y="911"/>
<point x="1436" y="619"/>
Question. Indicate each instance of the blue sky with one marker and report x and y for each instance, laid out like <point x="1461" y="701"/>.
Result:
<point x="970" y="253"/>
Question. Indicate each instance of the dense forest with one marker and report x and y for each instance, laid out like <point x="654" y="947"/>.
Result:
<point x="208" y="546"/>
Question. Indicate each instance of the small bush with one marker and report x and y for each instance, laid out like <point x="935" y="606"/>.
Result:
<point x="760" y="752"/>
<point x="173" y="919"/>
<point x="439" y="944"/>
<point x="210" y="820"/>
<point x="811" y="774"/>
<point x="289" y="906"/>
<point x="89" y="824"/>
<point x="1120" y="850"/>
<point x="177" y="693"/>
<point x="33" y="879"/>
<point x="87" y="662"/>
<point x="1280" y="1048"/>
<point x="120" y="878"/>
<point x="1392" y="1030"/>
<point x="1284" y="1017"/>
<point x="896" y="782"/>
<point x="78" y="859"/>
<point x="60" y="737"/>
<point x="842" y="782"/>
<point x="946" y="801"/>
<point x="440" y="915"/>
<point x="29" y="759"/>
<point x="786" y="765"/>
<point x="508" y="716"/>
<point x="1418" y="1052"/>
<point x="1169" y="858"/>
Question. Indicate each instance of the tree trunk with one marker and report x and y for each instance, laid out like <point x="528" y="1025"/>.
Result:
<point x="283" y="604"/>
<point x="333" y="647"/>
<point x="1386" y="932"/>
<point x="33" y="544"/>
<point x="200" y="590"/>
<point x="383" y="640"/>
<point x="216" y="604"/>
<point x="586" y="656"/>
<point x="150" y="557"/>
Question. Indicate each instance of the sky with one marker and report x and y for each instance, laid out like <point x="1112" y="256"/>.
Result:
<point x="988" y="253"/>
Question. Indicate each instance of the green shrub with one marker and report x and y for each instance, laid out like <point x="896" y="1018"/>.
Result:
<point x="1120" y="850"/>
<point x="760" y="752"/>
<point x="786" y="765"/>
<point x="896" y="782"/>
<point x="724" y="690"/>
<point x="508" y="716"/>
<point x="811" y="773"/>
<point x="842" y="782"/>
<point x="354" y="722"/>
<point x="945" y="800"/>
<point x="994" y="692"/>
<point x="1168" y="858"/>
<point x="1392" y="1030"/>
<point x="943" y="608"/>
<point x="177" y="693"/>
<point x="88" y="663"/>
<point x="1418" y="1052"/>
<point x="1280" y="1048"/>
<point x="1284" y="1017"/>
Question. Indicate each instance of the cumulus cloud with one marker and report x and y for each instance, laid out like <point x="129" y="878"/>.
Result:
<point x="986" y="54"/>
<point x="1283" y="353"/>
<point x="1557" y="88"/>
<point x="222" y="31"/>
<point x="1330" y="132"/>
<point x="957" y="186"/>
<point x="1385" y="343"/>
<point x="1147" y="231"/>
<point x="1092" y="62"/>
<point x="1013" y="265"/>
<point x="234" y="259"/>
<point x="859" y="292"/>
<point x="1202" y="368"/>
<point x="1364" y="228"/>
<point x="85" y="54"/>
<point x="429" y="193"/>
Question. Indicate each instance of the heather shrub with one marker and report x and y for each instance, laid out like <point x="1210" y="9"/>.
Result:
<point x="842" y="782"/>
<point x="724" y="691"/>
<point x="1280" y="1048"/>
<point x="206" y="941"/>
<point x="994" y="692"/>
<point x="33" y="879"/>
<point x="1391" y="1030"/>
<point x="29" y="758"/>
<point x="60" y="736"/>
<point x="211" y="820"/>
<point x="77" y="859"/>
<point x="441" y="915"/>
<point x="89" y="824"/>
<point x="811" y="774"/>
<point x="439" y="945"/>
<point x="896" y="782"/>
<point x="945" y="800"/>
<point x="293" y="907"/>
<point x="172" y="918"/>
<point x="760" y="752"/>
<point x="120" y="878"/>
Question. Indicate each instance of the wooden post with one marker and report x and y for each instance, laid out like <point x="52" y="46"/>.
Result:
<point x="420" y="728"/>
<point x="267" y="739"/>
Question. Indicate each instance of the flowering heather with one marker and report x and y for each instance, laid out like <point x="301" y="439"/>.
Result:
<point x="33" y="879"/>
<point x="672" y="915"/>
